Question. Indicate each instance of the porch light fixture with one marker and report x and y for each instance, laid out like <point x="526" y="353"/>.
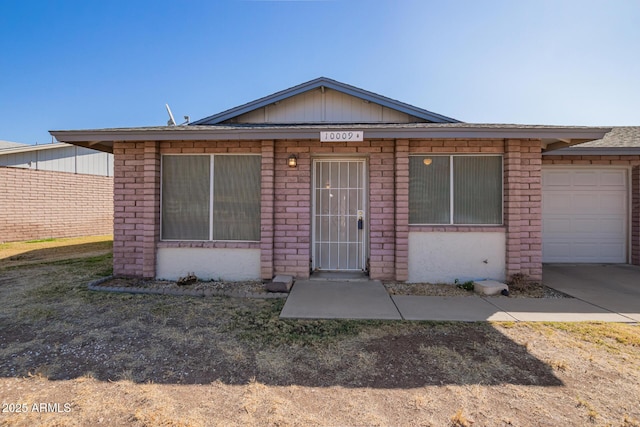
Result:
<point x="427" y="161"/>
<point x="292" y="161"/>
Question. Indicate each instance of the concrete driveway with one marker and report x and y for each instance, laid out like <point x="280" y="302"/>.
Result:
<point x="614" y="287"/>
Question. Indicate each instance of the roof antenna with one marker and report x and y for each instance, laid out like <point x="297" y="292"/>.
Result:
<point x="171" y="121"/>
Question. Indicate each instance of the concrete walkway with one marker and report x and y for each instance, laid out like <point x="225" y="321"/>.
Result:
<point x="321" y="299"/>
<point x="318" y="299"/>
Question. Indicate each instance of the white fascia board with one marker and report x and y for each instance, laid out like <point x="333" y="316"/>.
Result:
<point x="313" y="132"/>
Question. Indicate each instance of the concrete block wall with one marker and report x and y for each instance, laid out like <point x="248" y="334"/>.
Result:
<point x="631" y="161"/>
<point x="37" y="204"/>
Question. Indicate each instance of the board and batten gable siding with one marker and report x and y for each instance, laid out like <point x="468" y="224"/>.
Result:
<point x="39" y="204"/>
<point x="328" y="106"/>
<point x="630" y="161"/>
<point x="286" y="235"/>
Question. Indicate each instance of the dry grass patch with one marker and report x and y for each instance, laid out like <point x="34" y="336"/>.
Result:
<point x="47" y="250"/>
<point x="121" y="359"/>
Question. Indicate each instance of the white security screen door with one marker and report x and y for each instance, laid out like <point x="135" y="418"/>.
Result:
<point x="339" y="222"/>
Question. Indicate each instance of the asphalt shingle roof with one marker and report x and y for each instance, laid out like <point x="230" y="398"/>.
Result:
<point x="619" y="137"/>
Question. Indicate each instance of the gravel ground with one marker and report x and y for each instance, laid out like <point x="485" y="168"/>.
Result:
<point x="257" y="289"/>
<point x="530" y="290"/>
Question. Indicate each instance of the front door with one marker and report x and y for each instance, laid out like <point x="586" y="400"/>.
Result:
<point x="339" y="222"/>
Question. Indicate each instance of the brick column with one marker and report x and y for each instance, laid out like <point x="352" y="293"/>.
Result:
<point x="127" y="205"/>
<point x="266" y="210"/>
<point x="531" y="211"/>
<point x="512" y="206"/>
<point x="292" y="210"/>
<point x="635" y="215"/>
<point x="402" y="210"/>
<point x="150" y="201"/>
<point x="382" y="212"/>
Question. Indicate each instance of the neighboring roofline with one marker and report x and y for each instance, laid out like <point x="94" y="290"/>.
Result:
<point x="102" y="139"/>
<point x="27" y="148"/>
<point x="330" y="84"/>
<point x="10" y="144"/>
<point x="594" y="151"/>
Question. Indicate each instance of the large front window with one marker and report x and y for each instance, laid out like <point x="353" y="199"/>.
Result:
<point x="210" y="197"/>
<point x="455" y="190"/>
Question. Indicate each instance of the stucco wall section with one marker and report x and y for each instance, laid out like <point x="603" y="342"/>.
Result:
<point x="443" y="257"/>
<point x="208" y="263"/>
<point x="612" y="160"/>
<point x="36" y="204"/>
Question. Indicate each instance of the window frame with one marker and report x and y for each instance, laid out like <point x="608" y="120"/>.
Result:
<point x="211" y="196"/>
<point x="451" y="189"/>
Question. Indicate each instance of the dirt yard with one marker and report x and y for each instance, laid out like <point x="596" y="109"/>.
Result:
<point x="70" y="356"/>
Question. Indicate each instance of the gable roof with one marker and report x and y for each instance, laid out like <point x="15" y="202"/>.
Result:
<point x="319" y="83"/>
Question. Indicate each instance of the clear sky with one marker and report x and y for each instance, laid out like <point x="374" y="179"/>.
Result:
<point x="96" y="64"/>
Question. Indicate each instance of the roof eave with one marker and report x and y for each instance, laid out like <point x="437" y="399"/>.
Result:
<point x="102" y="139"/>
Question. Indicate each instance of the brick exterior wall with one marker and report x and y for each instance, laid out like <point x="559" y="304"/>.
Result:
<point x="633" y="162"/>
<point x="292" y="226"/>
<point x="36" y="204"/>
<point x="522" y="212"/>
<point x="286" y="234"/>
<point x="136" y="194"/>
<point x="129" y="202"/>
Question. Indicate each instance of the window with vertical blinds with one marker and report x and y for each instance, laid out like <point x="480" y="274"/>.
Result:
<point x="185" y="197"/>
<point x="210" y="197"/>
<point x="455" y="190"/>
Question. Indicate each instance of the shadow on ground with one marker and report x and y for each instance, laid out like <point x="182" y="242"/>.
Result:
<point x="55" y="253"/>
<point x="53" y="326"/>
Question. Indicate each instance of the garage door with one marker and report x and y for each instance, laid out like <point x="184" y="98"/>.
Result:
<point x="584" y="215"/>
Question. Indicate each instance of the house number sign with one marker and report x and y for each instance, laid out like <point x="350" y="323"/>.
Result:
<point x="342" y="135"/>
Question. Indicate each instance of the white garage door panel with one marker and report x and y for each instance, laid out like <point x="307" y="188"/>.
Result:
<point x="586" y="178"/>
<point x="614" y="178"/>
<point x="584" y="213"/>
